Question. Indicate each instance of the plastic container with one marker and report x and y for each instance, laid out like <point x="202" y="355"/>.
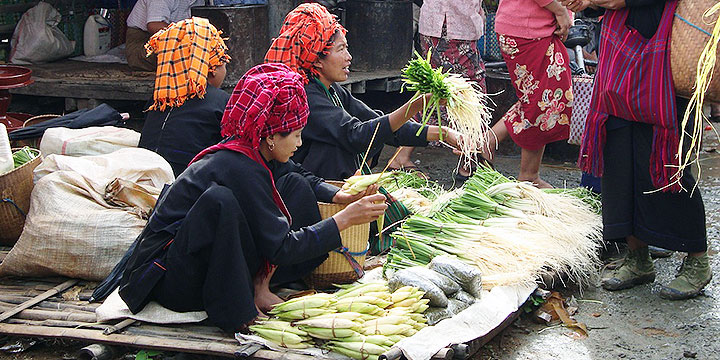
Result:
<point x="6" y="159"/>
<point x="97" y="35"/>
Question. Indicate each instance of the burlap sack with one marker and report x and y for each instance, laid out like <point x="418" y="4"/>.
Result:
<point x="689" y="37"/>
<point x="78" y="226"/>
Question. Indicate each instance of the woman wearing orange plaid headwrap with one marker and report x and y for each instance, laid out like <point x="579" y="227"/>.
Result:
<point x="242" y="214"/>
<point x="188" y="104"/>
<point x="340" y="126"/>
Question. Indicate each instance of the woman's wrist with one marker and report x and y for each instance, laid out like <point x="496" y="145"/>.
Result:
<point x="433" y="133"/>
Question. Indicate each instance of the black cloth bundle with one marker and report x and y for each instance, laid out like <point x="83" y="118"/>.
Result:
<point x="103" y="115"/>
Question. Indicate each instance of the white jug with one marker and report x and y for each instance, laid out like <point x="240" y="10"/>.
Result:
<point x="96" y="37"/>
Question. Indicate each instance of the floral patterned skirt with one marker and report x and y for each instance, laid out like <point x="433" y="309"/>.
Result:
<point x="457" y="56"/>
<point x="542" y="80"/>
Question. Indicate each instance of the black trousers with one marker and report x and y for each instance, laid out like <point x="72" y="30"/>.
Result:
<point x="674" y="221"/>
<point x="213" y="258"/>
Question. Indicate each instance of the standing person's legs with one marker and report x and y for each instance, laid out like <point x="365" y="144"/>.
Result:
<point x="530" y="167"/>
<point x="618" y="202"/>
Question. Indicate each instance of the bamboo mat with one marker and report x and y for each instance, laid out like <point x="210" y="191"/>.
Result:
<point x="58" y="308"/>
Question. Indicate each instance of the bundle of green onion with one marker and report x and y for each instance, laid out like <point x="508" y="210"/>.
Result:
<point x="467" y="106"/>
<point x="23" y="156"/>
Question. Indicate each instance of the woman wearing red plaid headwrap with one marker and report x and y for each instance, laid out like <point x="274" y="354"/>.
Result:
<point x="240" y="210"/>
<point x="340" y="126"/>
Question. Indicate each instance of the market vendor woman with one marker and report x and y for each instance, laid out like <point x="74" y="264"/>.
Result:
<point x="241" y="211"/>
<point x="340" y="127"/>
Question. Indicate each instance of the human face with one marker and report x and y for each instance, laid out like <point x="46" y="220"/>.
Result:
<point x="335" y="67"/>
<point x="284" y="146"/>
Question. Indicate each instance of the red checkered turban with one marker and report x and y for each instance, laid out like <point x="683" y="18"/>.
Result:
<point x="268" y="99"/>
<point x="304" y="36"/>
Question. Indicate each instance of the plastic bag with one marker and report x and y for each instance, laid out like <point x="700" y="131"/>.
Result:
<point x="468" y="276"/>
<point x="37" y="38"/>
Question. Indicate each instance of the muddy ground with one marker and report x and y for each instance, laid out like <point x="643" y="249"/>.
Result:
<point x="629" y="324"/>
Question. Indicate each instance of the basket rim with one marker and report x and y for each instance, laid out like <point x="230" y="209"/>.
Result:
<point x="38" y="157"/>
<point x="40" y="117"/>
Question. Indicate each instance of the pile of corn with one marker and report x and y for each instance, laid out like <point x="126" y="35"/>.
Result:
<point x="360" y="321"/>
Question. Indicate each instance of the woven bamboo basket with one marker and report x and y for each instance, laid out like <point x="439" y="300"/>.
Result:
<point x="337" y="269"/>
<point x="15" y="189"/>
<point x="687" y="43"/>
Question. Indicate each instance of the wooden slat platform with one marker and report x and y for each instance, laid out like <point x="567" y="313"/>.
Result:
<point x="68" y="315"/>
<point x="83" y="80"/>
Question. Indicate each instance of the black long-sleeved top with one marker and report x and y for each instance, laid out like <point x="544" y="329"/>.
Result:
<point x="336" y="137"/>
<point x="180" y="133"/>
<point x="251" y="186"/>
<point x="644" y="15"/>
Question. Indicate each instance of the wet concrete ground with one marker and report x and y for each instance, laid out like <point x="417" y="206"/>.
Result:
<point x="628" y="324"/>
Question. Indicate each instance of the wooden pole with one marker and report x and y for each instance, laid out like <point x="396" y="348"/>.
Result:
<point x="34" y="314"/>
<point x="59" y="323"/>
<point x="145" y="342"/>
<point x="119" y="326"/>
<point x="54" y="291"/>
<point x="9" y="300"/>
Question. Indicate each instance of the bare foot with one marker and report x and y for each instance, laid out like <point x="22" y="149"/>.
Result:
<point x="538" y="182"/>
<point x="265" y="299"/>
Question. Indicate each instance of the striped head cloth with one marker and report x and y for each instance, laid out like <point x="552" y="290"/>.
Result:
<point x="305" y="35"/>
<point x="187" y="51"/>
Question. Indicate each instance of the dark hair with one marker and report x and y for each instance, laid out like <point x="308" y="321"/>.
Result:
<point x="285" y="133"/>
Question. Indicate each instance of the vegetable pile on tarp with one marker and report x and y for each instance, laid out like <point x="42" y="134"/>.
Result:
<point x="360" y="321"/>
<point x="511" y="231"/>
<point x="467" y="106"/>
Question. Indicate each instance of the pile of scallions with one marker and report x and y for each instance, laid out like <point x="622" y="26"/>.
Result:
<point x="467" y="106"/>
<point x="510" y="230"/>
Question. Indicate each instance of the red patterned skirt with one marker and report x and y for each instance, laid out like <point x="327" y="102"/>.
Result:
<point x="542" y="80"/>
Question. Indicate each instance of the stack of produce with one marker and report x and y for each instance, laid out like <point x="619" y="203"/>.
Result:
<point x="511" y="231"/>
<point x="360" y="321"/>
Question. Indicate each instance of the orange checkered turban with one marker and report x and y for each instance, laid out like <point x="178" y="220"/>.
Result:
<point x="187" y="51"/>
<point x="304" y="36"/>
<point x="268" y="99"/>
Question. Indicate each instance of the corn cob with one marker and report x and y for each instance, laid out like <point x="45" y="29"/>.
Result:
<point x="282" y="326"/>
<point x="302" y="313"/>
<point x="362" y="347"/>
<point x="360" y="307"/>
<point x="386" y="329"/>
<point x="328" y="323"/>
<point x="352" y="354"/>
<point x="328" y="334"/>
<point x="282" y="338"/>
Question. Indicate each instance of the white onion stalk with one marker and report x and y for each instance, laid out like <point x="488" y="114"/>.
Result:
<point x="469" y="114"/>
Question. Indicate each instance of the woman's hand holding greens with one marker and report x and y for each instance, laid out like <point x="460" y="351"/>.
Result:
<point x="363" y="211"/>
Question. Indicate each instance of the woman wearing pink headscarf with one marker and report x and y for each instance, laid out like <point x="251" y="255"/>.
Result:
<point x="219" y="233"/>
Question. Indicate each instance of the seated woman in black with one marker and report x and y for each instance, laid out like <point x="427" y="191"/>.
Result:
<point x="188" y="105"/>
<point x="340" y="127"/>
<point x="240" y="211"/>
